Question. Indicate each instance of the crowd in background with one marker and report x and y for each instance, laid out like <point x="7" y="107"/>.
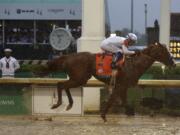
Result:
<point x="16" y="32"/>
<point x="28" y="37"/>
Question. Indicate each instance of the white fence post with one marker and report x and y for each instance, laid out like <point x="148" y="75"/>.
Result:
<point x="93" y="32"/>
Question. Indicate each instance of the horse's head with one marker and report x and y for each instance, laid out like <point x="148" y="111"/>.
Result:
<point x="159" y="52"/>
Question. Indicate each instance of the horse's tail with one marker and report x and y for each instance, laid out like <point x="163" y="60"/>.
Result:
<point x="61" y="62"/>
<point x="57" y="64"/>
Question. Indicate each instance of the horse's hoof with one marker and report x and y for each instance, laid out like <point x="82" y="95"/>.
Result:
<point x="55" y="106"/>
<point x="152" y="114"/>
<point x="104" y="118"/>
<point x="68" y="107"/>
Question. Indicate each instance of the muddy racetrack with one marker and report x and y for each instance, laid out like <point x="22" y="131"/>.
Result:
<point x="89" y="125"/>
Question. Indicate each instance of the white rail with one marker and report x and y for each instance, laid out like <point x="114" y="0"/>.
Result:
<point x="90" y="83"/>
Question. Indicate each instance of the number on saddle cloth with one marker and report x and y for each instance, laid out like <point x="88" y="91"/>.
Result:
<point x="103" y="64"/>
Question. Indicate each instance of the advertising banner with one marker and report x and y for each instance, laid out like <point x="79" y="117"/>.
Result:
<point x="40" y="9"/>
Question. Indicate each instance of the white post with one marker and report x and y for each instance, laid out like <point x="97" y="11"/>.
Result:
<point x="3" y="33"/>
<point x="165" y="22"/>
<point x="93" y="32"/>
<point x="93" y="25"/>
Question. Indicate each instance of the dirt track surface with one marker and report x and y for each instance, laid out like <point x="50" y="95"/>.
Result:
<point x="90" y="125"/>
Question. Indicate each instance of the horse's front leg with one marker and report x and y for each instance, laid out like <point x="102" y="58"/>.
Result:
<point x="108" y="105"/>
<point x="129" y="110"/>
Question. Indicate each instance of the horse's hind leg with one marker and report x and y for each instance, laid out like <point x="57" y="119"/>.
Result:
<point x="60" y="99"/>
<point x="66" y="85"/>
<point x="59" y="102"/>
<point x="69" y="99"/>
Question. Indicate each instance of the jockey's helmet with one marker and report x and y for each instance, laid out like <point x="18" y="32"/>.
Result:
<point x="132" y="37"/>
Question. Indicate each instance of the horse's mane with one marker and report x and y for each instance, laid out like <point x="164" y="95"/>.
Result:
<point x="151" y="46"/>
<point x="147" y="49"/>
<point x="149" y="52"/>
<point x="143" y="53"/>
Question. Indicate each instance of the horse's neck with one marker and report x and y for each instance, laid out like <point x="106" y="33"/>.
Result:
<point x="145" y="64"/>
<point x="142" y="63"/>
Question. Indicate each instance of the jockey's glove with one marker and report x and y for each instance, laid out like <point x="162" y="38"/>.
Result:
<point x="137" y="52"/>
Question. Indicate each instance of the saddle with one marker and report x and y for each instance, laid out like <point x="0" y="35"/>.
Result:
<point x="103" y="64"/>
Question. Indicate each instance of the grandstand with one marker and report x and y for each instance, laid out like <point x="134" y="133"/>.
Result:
<point x="25" y="25"/>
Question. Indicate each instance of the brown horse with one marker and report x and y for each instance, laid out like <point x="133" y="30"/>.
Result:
<point x="82" y="66"/>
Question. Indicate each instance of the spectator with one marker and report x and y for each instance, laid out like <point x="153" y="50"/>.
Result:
<point x="8" y="64"/>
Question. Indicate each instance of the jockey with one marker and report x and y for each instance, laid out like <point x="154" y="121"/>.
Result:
<point x="118" y="46"/>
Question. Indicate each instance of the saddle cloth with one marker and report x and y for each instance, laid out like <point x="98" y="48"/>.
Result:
<point x="103" y="64"/>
